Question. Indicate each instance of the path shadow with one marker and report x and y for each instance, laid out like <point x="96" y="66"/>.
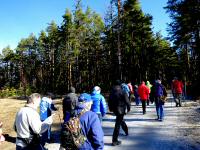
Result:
<point x="108" y="144"/>
<point x="9" y="138"/>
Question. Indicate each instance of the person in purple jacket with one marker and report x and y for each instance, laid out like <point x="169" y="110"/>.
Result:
<point x="90" y="124"/>
<point x="159" y="92"/>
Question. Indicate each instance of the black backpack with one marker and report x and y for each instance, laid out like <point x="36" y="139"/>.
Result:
<point x="71" y="134"/>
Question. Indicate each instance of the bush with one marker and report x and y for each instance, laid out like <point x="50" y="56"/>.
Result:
<point x="8" y="92"/>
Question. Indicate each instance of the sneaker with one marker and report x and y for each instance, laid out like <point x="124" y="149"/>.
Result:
<point x="116" y="143"/>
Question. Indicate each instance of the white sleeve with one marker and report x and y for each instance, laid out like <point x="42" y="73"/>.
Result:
<point x="34" y="122"/>
<point x="46" y="124"/>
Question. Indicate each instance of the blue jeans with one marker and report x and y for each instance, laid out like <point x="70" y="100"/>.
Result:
<point x="159" y="108"/>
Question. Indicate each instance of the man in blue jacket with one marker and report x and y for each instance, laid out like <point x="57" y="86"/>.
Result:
<point x="90" y="124"/>
<point x="99" y="105"/>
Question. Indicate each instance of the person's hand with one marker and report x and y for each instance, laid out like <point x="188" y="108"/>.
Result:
<point x="128" y="109"/>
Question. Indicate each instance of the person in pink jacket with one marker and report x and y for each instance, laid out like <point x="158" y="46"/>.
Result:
<point x="143" y="92"/>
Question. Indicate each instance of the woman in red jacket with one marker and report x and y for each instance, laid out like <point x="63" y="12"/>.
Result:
<point x="143" y="92"/>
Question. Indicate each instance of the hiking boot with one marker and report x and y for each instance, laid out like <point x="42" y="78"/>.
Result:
<point x="126" y="133"/>
<point x="116" y="143"/>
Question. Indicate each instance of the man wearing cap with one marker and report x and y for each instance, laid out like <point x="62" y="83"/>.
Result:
<point x="99" y="105"/>
<point x="90" y="123"/>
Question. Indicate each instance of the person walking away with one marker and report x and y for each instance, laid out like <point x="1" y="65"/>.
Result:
<point x="46" y="108"/>
<point x="118" y="104"/>
<point x="69" y="103"/>
<point x="131" y="91"/>
<point x="136" y="95"/>
<point x="160" y="97"/>
<point x="99" y="105"/>
<point x="152" y="96"/>
<point x="126" y="89"/>
<point x="143" y="92"/>
<point x="177" y="87"/>
<point x="29" y="126"/>
<point x="148" y="84"/>
<point x="90" y="124"/>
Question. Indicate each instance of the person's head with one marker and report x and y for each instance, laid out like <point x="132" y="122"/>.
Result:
<point x="96" y="90"/>
<point x="50" y="95"/>
<point x="72" y="89"/>
<point x="85" y="99"/>
<point x="117" y="82"/>
<point x="159" y="81"/>
<point x="147" y="83"/>
<point x="34" y="99"/>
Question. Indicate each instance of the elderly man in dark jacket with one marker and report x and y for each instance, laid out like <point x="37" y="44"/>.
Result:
<point x="118" y="103"/>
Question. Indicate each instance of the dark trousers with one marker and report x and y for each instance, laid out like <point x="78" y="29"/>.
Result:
<point x="119" y="122"/>
<point x="39" y="147"/>
<point x="144" y="106"/>
<point x="178" y="99"/>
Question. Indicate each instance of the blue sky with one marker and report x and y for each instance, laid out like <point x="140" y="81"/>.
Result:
<point x="20" y="18"/>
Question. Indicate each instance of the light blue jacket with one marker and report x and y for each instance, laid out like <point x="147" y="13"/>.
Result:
<point x="46" y="106"/>
<point x="99" y="105"/>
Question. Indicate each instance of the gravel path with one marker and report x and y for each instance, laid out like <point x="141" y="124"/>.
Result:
<point x="180" y="129"/>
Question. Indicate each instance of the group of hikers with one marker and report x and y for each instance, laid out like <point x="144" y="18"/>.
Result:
<point x="82" y="115"/>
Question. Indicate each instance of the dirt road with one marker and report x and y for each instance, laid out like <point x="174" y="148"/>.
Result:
<point x="180" y="129"/>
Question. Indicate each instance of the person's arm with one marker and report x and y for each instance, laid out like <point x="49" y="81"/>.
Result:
<point x="103" y="106"/>
<point x="52" y="107"/>
<point x="96" y="134"/>
<point x="128" y="104"/>
<point x="34" y="121"/>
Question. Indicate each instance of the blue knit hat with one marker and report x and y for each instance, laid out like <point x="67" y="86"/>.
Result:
<point x="84" y="97"/>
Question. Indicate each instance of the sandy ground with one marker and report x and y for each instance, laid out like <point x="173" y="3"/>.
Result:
<point x="179" y="131"/>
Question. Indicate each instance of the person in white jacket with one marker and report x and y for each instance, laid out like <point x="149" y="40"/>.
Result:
<point x="29" y="126"/>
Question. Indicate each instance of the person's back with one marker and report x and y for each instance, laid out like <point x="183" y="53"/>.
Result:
<point x="143" y="91"/>
<point x="69" y="102"/>
<point x="178" y="86"/>
<point x="99" y="105"/>
<point x="90" y="124"/>
<point x="118" y="100"/>
<point x="91" y="127"/>
<point x="125" y="88"/>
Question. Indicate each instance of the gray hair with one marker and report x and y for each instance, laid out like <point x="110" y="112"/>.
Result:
<point x="32" y="97"/>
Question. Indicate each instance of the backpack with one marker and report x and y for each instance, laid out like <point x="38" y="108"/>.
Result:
<point x="71" y="134"/>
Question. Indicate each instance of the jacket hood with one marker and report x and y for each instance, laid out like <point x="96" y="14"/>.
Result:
<point x="96" y="90"/>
